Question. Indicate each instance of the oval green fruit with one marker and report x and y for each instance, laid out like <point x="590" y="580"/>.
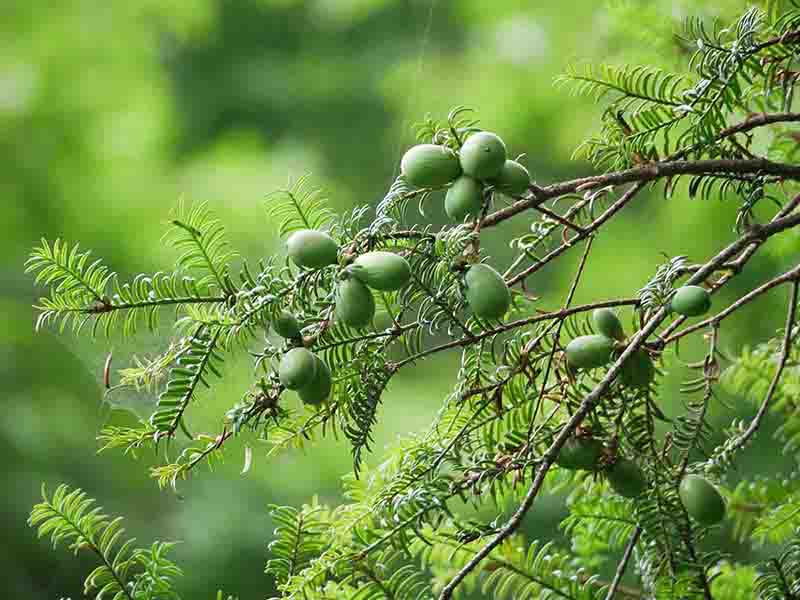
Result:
<point x="638" y="371"/>
<point x="626" y="478"/>
<point x="702" y="500"/>
<point x="384" y="271"/>
<point x="691" y="301"/>
<point x="580" y="453"/>
<point x="464" y="199"/>
<point x="319" y="388"/>
<point x="355" y="305"/>
<point x="513" y="179"/>
<point x="589" y="351"/>
<point x="286" y="326"/>
<point x="607" y="323"/>
<point x="312" y="249"/>
<point x="298" y="368"/>
<point x="483" y="155"/>
<point x="487" y="294"/>
<point x="429" y="165"/>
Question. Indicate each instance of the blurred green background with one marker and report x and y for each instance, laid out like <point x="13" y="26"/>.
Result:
<point x="110" y="111"/>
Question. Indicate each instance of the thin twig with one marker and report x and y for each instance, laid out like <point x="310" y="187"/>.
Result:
<point x="557" y="217"/>
<point x="557" y="335"/>
<point x="585" y="232"/>
<point x="549" y="316"/>
<point x="751" y="430"/>
<point x="623" y="564"/>
<point x="789" y="276"/>
<point x="646" y="173"/>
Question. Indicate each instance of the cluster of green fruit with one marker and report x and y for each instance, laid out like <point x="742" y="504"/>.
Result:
<point x="304" y="372"/>
<point x="701" y="499"/>
<point x="300" y="369"/>
<point x="383" y="271"/>
<point x="583" y="452"/>
<point x="597" y="350"/>
<point x="479" y="163"/>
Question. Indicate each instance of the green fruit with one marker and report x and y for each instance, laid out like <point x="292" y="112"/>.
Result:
<point x="355" y="305"/>
<point x="580" y="453"/>
<point x="626" y="478"/>
<point x="702" y="500"/>
<point x="464" y="199"/>
<point x="298" y="368"/>
<point x="513" y="179"/>
<point x="428" y="165"/>
<point x="483" y="155"/>
<point x="381" y="270"/>
<point x="312" y="249"/>
<point x="487" y="294"/>
<point x="589" y="351"/>
<point x="607" y="323"/>
<point x="638" y="371"/>
<point x="319" y="388"/>
<point x="691" y="301"/>
<point x="286" y="326"/>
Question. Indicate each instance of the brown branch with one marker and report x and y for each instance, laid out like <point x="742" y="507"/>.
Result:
<point x="585" y="232"/>
<point x="789" y="276"/>
<point x="623" y="564"/>
<point x="736" y="266"/>
<point x="644" y="174"/>
<point x="549" y="316"/>
<point x="751" y="430"/>
<point x="752" y="122"/>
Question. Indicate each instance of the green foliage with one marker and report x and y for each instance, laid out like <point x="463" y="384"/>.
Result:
<point x="734" y="582"/>
<point x="753" y="503"/>
<point x="517" y="570"/>
<point x="71" y="517"/>
<point x="200" y="238"/>
<point x="301" y="206"/>
<point x="598" y="526"/>
<point x="200" y="358"/>
<point x="779" y="577"/>
<point x="654" y="113"/>
<point x="84" y="292"/>
<point x="300" y="535"/>
<point x="751" y="375"/>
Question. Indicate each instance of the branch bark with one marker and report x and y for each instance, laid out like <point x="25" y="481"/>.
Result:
<point x="623" y="564"/>
<point x="644" y="174"/>
<point x="786" y="347"/>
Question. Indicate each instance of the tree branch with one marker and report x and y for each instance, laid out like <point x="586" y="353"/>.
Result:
<point x="623" y="564"/>
<point x="752" y="122"/>
<point x="644" y="174"/>
<point x="585" y="232"/>
<point x="735" y="266"/>
<point x="548" y="316"/>
<point x="751" y="430"/>
<point x="790" y="276"/>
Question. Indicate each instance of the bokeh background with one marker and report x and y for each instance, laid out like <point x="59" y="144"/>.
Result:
<point x="111" y="111"/>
